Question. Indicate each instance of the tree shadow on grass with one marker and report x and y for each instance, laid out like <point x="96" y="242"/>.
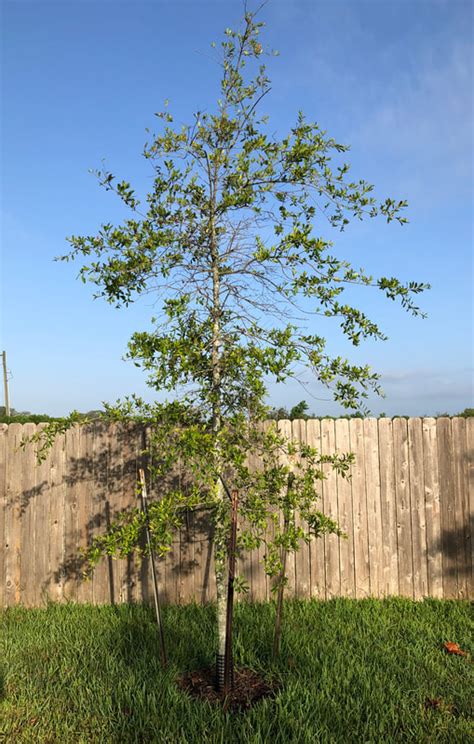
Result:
<point x="136" y="638"/>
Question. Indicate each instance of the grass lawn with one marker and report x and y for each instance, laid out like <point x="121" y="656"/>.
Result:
<point x="351" y="671"/>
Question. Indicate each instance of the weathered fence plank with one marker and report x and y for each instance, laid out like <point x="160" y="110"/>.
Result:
<point x="374" y="516"/>
<point x="388" y="503"/>
<point x="447" y="501"/>
<point x="284" y="427"/>
<point x="81" y="475"/>
<point x="432" y="509"/>
<point x="13" y="514"/>
<point x="302" y="563"/>
<point x="402" y="488"/>
<point x="103" y="590"/>
<point x="130" y="475"/>
<point x="57" y="489"/>
<point x="461" y="504"/>
<point x="71" y="526"/>
<point x="407" y="510"/>
<point x="3" y="506"/>
<point x="331" y="542"/>
<point x="186" y="559"/>
<point x="469" y="524"/>
<point x="28" y="518"/>
<point x="418" y="521"/>
<point x="359" y="501"/>
<point x="344" y="501"/>
<point x="259" y="579"/>
<point x="316" y="547"/>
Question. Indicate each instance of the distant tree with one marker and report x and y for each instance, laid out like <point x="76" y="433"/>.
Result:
<point x="299" y="411"/>
<point x="278" y="414"/>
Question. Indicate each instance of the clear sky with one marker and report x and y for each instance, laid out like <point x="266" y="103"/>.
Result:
<point x="81" y="81"/>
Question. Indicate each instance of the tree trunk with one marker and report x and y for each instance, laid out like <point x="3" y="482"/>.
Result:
<point x="221" y="531"/>
<point x="221" y="590"/>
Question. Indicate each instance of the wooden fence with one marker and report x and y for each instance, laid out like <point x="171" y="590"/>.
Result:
<point x="407" y="511"/>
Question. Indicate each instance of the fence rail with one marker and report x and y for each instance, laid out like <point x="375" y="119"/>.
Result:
<point x="407" y="511"/>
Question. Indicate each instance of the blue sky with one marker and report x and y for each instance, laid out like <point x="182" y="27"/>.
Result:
<point x="81" y="81"/>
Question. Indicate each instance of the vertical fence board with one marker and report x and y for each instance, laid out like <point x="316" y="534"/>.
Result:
<point x="81" y="473"/>
<point x="469" y="457"/>
<point x="39" y="576"/>
<point x="118" y="499"/>
<point x="448" y="516"/>
<point x="12" y="515"/>
<point x="388" y="503"/>
<point x="126" y="501"/>
<point x="28" y="517"/>
<point x="131" y="498"/>
<point x="344" y="500"/>
<point x="168" y="565"/>
<point x="402" y="487"/>
<point x="284" y="427"/>
<point x="103" y="590"/>
<point x="3" y="506"/>
<point x="418" y="520"/>
<point x="270" y="528"/>
<point x="374" y="516"/>
<point x="359" y="496"/>
<point x="316" y="550"/>
<point x="302" y="559"/>
<point x="204" y="557"/>
<point x="243" y="570"/>
<point x="144" y="459"/>
<point x="57" y="475"/>
<point x="186" y="559"/>
<point x="432" y="507"/>
<point x="171" y="572"/>
<point x="331" y="542"/>
<point x="259" y="579"/>
<point x="461" y="501"/>
<point x="71" y="444"/>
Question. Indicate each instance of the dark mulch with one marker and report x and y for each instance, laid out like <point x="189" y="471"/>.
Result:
<point x="249" y="687"/>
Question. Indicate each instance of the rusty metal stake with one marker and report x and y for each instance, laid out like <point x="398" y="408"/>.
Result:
<point x="228" y="658"/>
<point x="156" y="595"/>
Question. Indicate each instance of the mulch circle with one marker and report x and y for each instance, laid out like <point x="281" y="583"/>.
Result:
<point x="249" y="687"/>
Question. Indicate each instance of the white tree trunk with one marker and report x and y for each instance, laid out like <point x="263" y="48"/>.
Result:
<point x="221" y="590"/>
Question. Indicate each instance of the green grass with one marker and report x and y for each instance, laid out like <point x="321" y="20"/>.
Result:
<point x="351" y="671"/>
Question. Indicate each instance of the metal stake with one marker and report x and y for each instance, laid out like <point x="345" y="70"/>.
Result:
<point x="144" y="498"/>
<point x="228" y="660"/>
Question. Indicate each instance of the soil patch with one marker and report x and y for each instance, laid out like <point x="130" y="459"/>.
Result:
<point x="249" y="687"/>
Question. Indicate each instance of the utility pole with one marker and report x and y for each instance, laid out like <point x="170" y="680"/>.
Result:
<point x="5" y="383"/>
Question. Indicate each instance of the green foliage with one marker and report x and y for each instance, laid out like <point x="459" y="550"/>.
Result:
<point x="227" y="240"/>
<point x="259" y="463"/>
<point x="44" y="437"/>
<point x="26" y="418"/>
